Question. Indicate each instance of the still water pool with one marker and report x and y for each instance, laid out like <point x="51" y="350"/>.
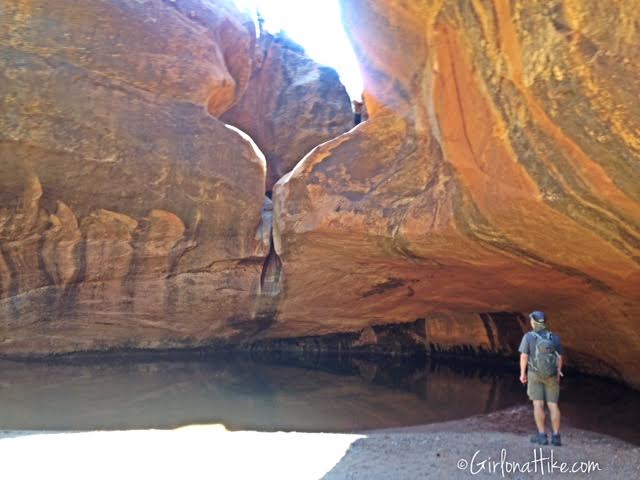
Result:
<point x="343" y="396"/>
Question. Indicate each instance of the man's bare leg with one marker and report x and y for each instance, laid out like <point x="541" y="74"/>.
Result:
<point x="554" y="411"/>
<point x="538" y="414"/>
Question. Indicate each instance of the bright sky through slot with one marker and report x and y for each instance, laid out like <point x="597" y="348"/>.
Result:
<point x="317" y="26"/>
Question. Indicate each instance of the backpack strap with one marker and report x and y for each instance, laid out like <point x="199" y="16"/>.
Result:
<point x="548" y="337"/>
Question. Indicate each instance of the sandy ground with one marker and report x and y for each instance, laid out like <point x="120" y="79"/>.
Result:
<point x="438" y="451"/>
<point x="500" y="443"/>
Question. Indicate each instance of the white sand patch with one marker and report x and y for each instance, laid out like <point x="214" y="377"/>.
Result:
<point x="202" y="452"/>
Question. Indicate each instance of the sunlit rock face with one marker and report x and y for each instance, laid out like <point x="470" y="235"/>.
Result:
<point x="129" y="215"/>
<point x="498" y="172"/>
<point x="291" y="104"/>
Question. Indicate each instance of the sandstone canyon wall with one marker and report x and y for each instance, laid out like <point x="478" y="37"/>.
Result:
<point x="498" y="172"/>
<point x="129" y="215"/>
<point x="290" y="105"/>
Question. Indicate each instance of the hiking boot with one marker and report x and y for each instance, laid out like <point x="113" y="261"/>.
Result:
<point x="540" y="439"/>
<point x="555" y="440"/>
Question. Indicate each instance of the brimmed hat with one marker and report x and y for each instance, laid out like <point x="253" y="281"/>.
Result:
<point x="537" y="316"/>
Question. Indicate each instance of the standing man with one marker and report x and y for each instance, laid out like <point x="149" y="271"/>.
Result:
<point x="541" y="351"/>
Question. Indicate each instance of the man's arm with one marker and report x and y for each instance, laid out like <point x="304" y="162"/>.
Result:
<point x="560" y="351"/>
<point x="524" y="359"/>
<point x="560" y="367"/>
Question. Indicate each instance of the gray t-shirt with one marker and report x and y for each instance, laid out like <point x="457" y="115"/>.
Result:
<point x="529" y="340"/>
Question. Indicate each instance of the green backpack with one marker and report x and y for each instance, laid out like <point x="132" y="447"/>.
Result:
<point x="545" y="356"/>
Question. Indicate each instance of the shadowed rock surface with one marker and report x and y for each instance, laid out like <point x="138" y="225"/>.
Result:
<point x="498" y="171"/>
<point x="291" y="104"/>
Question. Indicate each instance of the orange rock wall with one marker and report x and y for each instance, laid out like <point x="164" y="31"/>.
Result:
<point x="498" y="172"/>
<point x="290" y="105"/>
<point x="127" y="211"/>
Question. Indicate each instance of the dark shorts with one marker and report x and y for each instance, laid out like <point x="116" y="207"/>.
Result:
<point x="538" y="388"/>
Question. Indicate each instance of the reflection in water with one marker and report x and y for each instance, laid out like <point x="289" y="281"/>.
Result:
<point x="339" y="397"/>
